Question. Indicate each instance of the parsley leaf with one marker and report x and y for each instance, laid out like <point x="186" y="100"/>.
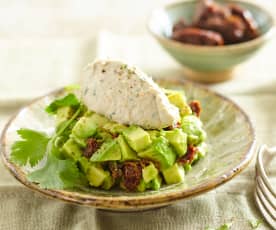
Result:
<point x="68" y="100"/>
<point x="57" y="174"/>
<point x="31" y="148"/>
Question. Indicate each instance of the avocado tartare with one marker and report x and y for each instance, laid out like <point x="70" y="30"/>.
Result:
<point x="91" y="149"/>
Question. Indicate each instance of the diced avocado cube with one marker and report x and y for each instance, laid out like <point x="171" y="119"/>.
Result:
<point x="192" y="126"/>
<point x="153" y="134"/>
<point x="96" y="175"/>
<point x="105" y="136"/>
<point x="187" y="167"/>
<point x="114" y="128"/>
<point x="88" y="113"/>
<point x="127" y="152"/>
<point x="160" y="152"/>
<point x="84" y="164"/>
<point x="196" y="158"/>
<point x="201" y="150"/>
<point x="149" y="173"/>
<point x="193" y="139"/>
<point x="108" y="182"/>
<point x="156" y="183"/>
<point x="109" y="151"/>
<point x="174" y="174"/>
<point x="142" y="186"/>
<point x="178" y="99"/>
<point x="85" y="127"/>
<point x="137" y="138"/>
<point x="64" y="113"/>
<point x="80" y="141"/>
<point x="99" y="120"/>
<point x="178" y="139"/>
<point x="72" y="149"/>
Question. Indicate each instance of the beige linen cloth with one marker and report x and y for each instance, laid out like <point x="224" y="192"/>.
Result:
<point x="254" y="89"/>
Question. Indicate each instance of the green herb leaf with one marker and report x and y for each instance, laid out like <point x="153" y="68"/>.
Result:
<point x="68" y="100"/>
<point x="31" y="148"/>
<point x="255" y="223"/>
<point x="57" y="174"/>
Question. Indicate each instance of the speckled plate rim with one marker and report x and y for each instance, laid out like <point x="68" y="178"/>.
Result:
<point x="132" y="203"/>
<point x="219" y="49"/>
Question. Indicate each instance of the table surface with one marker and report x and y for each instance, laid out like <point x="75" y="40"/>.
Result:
<point x="46" y="45"/>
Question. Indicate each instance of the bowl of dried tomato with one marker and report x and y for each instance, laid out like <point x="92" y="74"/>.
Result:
<point x="210" y="38"/>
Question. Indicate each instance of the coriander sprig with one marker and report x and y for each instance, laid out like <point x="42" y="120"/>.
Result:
<point x="57" y="173"/>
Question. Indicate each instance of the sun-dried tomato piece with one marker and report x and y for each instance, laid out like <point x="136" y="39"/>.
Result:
<point x="132" y="174"/>
<point x="116" y="170"/>
<point x="195" y="107"/>
<point x="92" y="145"/>
<point x="145" y="162"/>
<point x="189" y="156"/>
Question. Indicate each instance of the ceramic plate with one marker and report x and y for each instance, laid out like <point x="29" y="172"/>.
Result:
<point x="230" y="139"/>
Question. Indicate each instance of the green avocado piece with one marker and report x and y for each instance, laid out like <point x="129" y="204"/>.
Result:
<point x="64" y="113"/>
<point x="127" y="152"/>
<point x="149" y="173"/>
<point x="109" y="151"/>
<point x="72" y="149"/>
<point x="153" y="134"/>
<point x="96" y="175"/>
<point x="156" y="183"/>
<point x="137" y="138"/>
<point x="85" y="127"/>
<point x="201" y="150"/>
<point x="114" y="128"/>
<point x="105" y="136"/>
<point x="178" y="99"/>
<point x="80" y="141"/>
<point x="84" y="164"/>
<point x="187" y="167"/>
<point x="99" y="120"/>
<point x="108" y="182"/>
<point x="178" y="139"/>
<point x="88" y="113"/>
<point x="192" y="126"/>
<point x="160" y="152"/>
<point x="174" y="174"/>
<point x="142" y="186"/>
